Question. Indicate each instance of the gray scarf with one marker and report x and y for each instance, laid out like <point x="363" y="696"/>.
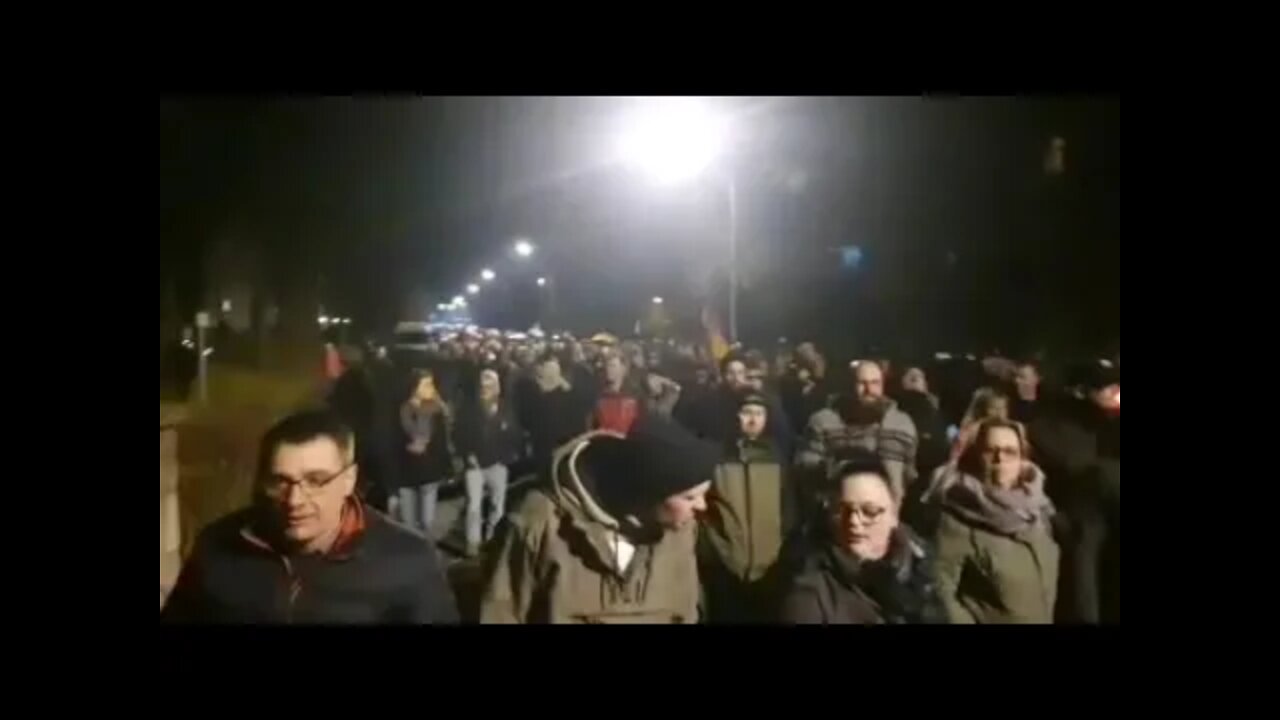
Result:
<point x="1008" y="512"/>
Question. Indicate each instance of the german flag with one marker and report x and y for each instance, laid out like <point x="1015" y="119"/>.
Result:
<point x="716" y="340"/>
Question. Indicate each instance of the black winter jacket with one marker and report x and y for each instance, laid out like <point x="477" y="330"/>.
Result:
<point x="383" y="574"/>
<point x="492" y="439"/>
<point x="835" y="589"/>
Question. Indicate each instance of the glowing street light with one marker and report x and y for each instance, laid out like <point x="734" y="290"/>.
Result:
<point x="487" y="275"/>
<point x="657" y="301"/>
<point x="542" y="282"/>
<point x="473" y="289"/>
<point x="524" y="248"/>
<point x="459" y="301"/>
<point x="323" y="319"/>
<point x="442" y="307"/>
<point x="672" y="139"/>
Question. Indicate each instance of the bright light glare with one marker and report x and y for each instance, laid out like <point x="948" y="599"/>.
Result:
<point x="323" y="320"/>
<point x="657" y="301"/>
<point x="459" y="301"/>
<point x="524" y="248"/>
<point x="472" y="289"/>
<point x="442" y="307"/>
<point x="673" y="139"/>
<point x="542" y="282"/>
<point x="487" y="275"/>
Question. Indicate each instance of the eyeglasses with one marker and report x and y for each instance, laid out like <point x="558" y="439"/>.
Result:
<point x="870" y="514"/>
<point x="276" y="487"/>
<point x="1007" y="453"/>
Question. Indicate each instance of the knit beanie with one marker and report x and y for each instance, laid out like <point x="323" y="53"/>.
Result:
<point x="657" y="459"/>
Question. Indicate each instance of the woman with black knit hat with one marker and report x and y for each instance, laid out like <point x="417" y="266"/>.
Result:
<point x="871" y="569"/>
<point x="612" y="539"/>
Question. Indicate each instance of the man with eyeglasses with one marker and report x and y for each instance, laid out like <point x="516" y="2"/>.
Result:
<point x="308" y="550"/>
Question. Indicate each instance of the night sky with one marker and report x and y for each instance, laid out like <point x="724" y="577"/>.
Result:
<point x="964" y="238"/>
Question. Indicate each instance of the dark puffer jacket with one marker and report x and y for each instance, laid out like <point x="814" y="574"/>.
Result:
<point x="836" y="589"/>
<point x="378" y="572"/>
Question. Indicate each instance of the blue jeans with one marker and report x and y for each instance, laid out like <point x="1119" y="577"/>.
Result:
<point x="494" y="478"/>
<point x="416" y="507"/>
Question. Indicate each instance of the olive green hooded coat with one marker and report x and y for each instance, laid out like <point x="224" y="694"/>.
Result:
<point x="555" y="561"/>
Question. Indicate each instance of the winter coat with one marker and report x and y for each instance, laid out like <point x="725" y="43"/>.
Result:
<point x="433" y="465"/>
<point x="931" y="452"/>
<point x="800" y="401"/>
<point x="1078" y="446"/>
<point x="555" y="563"/>
<point x="1089" y="584"/>
<point x="352" y="399"/>
<point x="835" y="589"/>
<point x="555" y="418"/>
<point x="716" y="418"/>
<point x="751" y="511"/>
<point x="987" y="575"/>
<point x="1065" y="441"/>
<point x="493" y="439"/>
<point x="377" y="572"/>
<point x="893" y="439"/>
<point x="1024" y="411"/>
<point x="748" y="535"/>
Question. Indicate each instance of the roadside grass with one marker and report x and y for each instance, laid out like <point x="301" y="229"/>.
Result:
<point x="218" y="441"/>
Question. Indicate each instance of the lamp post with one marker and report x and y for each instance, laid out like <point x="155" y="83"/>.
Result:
<point x="673" y="140"/>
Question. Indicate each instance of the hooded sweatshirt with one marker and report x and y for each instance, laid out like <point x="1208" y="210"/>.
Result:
<point x="567" y="556"/>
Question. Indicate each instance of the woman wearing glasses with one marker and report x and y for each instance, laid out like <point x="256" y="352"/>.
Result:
<point x="997" y="560"/>
<point x="870" y="570"/>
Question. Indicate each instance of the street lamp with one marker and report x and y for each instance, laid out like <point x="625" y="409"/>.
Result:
<point x="524" y="248"/>
<point x="657" y="301"/>
<point x="542" y="282"/>
<point x="674" y="140"/>
<point x="472" y="289"/>
<point x="459" y="301"/>
<point x="487" y="275"/>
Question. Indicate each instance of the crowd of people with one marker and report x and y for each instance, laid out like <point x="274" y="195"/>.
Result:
<point x="669" y="486"/>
